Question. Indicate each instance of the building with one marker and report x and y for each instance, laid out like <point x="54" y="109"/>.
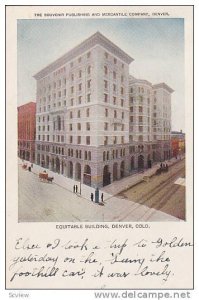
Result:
<point x="177" y="143"/>
<point x="84" y="124"/>
<point x="150" y="122"/>
<point x="27" y="131"/>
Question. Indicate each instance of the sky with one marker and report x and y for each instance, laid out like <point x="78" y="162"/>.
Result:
<point x="156" y="45"/>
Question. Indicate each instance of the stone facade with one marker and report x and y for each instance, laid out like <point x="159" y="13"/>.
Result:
<point x="84" y="110"/>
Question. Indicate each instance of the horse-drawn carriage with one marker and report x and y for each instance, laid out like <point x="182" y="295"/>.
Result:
<point x="45" y="178"/>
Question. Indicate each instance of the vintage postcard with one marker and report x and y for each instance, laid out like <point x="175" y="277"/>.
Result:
<point x="100" y="147"/>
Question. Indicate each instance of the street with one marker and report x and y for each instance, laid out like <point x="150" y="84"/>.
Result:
<point x="50" y="202"/>
<point x="161" y="192"/>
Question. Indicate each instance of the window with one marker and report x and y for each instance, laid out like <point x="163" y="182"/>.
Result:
<point x="88" y="126"/>
<point x="80" y="99"/>
<point x="64" y="92"/>
<point x="104" y="156"/>
<point x="89" y="155"/>
<point x="140" y="138"/>
<point x="88" y="55"/>
<point x="59" y="82"/>
<point x="131" y="109"/>
<point x="140" y="128"/>
<point x="131" y="118"/>
<point x="122" y="139"/>
<point x="78" y="114"/>
<point x="105" y="70"/>
<point x="140" y="119"/>
<point x="115" y="141"/>
<point x="122" y="90"/>
<point x="115" y="114"/>
<point x="105" y="126"/>
<point x="106" y="112"/>
<point x="114" y="75"/>
<point x="87" y="112"/>
<point x="105" y="97"/>
<point x="105" y="140"/>
<point x="71" y="114"/>
<point x="114" y="87"/>
<point x="105" y="84"/>
<point x="140" y="109"/>
<point x="80" y="73"/>
<point x="122" y="115"/>
<point x="88" y="140"/>
<point x="70" y="127"/>
<point x="79" y="140"/>
<point x="88" y="97"/>
<point x="114" y="100"/>
<point x="122" y="78"/>
<point x="71" y="101"/>
<point x="72" y="89"/>
<point x="122" y="102"/>
<point x="71" y="139"/>
<point x="80" y="87"/>
<point x="122" y="128"/>
<point x="89" y="70"/>
<point x="78" y="126"/>
<point x="59" y="94"/>
<point x="89" y="84"/>
<point x="115" y="127"/>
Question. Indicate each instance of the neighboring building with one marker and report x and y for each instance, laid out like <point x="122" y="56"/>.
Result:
<point x="178" y="143"/>
<point x="27" y="131"/>
<point x="83" y="115"/>
<point x="150" y="122"/>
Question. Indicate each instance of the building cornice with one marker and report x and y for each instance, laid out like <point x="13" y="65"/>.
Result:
<point x="133" y="80"/>
<point x="95" y="39"/>
<point x="164" y="86"/>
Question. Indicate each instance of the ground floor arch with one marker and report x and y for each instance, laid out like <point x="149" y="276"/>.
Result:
<point x="106" y="176"/>
<point x="122" y="169"/>
<point x="78" y="171"/>
<point x="87" y="175"/>
<point x="115" y="171"/>
<point x="140" y="162"/>
<point x="132" y="163"/>
<point x="70" y="169"/>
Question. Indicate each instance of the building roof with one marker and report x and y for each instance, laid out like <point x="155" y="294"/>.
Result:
<point x="28" y="104"/>
<point x="95" y="39"/>
<point x="132" y="79"/>
<point x="163" y="86"/>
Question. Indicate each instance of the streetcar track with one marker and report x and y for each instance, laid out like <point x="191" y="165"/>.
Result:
<point x="154" y="192"/>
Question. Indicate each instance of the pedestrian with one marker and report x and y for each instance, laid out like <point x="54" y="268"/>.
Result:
<point x="102" y="197"/>
<point x="91" y="196"/>
<point x="74" y="189"/>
